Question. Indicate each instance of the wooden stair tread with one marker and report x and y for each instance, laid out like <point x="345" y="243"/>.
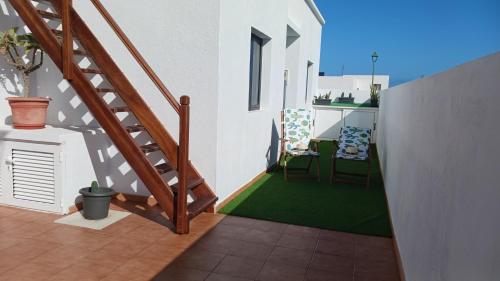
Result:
<point x="163" y="168"/>
<point x="191" y="183"/>
<point x="58" y="33"/>
<point x="200" y="205"/>
<point x="148" y="148"/>
<point x="135" y="128"/>
<point x="91" y="70"/>
<point x="48" y="15"/>
<point x="120" y="109"/>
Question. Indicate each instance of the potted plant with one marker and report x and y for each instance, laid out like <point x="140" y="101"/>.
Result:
<point x="374" y="95"/>
<point x="323" y="99"/>
<point x="21" y="52"/>
<point x="96" y="201"/>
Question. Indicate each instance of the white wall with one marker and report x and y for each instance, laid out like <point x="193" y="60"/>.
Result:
<point x="248" y="140"/>
<point x="358" y="85"/>
<point x="438" y="144"/>
<point x="201" y="49"/>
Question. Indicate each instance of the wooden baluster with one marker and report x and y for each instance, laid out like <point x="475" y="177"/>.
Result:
<point x="67" y="46"/>
<point x="181" y="220"/>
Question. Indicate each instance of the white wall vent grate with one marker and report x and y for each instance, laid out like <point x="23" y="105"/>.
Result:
<point x="33" y="176"/>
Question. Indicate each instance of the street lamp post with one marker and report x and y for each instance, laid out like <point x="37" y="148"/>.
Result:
<point x="374" y="60"/>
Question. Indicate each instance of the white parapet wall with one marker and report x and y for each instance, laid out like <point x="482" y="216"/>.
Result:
<point x="439" y="147"/>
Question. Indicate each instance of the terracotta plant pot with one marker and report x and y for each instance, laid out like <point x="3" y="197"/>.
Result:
<point x="29" y="113"/>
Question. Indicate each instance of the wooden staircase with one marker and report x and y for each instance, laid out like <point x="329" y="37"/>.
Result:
<point x="58" y="44"/>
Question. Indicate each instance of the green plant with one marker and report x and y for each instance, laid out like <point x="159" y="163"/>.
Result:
<point x="20" y="51"/>
<point x="374" y="93"/>
<point x="324" y="97"/>
<point x="94" y="186"/>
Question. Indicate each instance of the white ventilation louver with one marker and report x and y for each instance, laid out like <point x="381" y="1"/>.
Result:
<point x="33" y="176"/>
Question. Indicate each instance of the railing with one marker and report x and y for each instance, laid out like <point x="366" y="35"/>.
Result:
<point x="182" y="109"/>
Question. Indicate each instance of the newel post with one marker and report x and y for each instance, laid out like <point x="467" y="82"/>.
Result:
<point x="67" y="46"/>
<point x="181" y="220"/>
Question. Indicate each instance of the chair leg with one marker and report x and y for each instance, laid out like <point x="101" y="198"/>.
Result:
<point x="334" y="170"/>
<point x="317" y="169"/>
<point x="285" y="169"/>
<point x="308" y="169"/>
<point x="368" y="175"/>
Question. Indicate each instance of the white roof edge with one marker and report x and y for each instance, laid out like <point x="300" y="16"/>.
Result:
<point x="316" y="11"/>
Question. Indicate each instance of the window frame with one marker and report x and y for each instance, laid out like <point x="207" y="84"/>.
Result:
<point x="260" y="42"/>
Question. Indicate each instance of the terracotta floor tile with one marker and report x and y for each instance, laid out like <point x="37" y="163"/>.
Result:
<point x="302" y="231"/>
<point x="374" y="253"/>
<point x="239" y="267"/>
<point x="146" y="268"/>
<point x="82" y="272"/>
<point x="217" y="244"/>
<point x="323" y="275"/>
<point x="160" y="252"/>
<point x="220" y="277"/>
<point x="376" y="268"/>
<point x="269" y="226"/>
<point x="124" y="247"/>
<point x="289" y="256"/>
<point x="29" y="270"/>
<point x="181" y="274"/>
<point x="251" y="250"/>
<point x="281" y="272"/>
<point x="10" y="223"/>
<point x="373" y="241"/>
<point x="199" y="259"/>
<point x="336" y="235"/>
<point x="332" y="263"/>
<point x="228" y="231"/>
<point x="259" y="236"/>
<point x="238" y="221"/>
<point x="343" y="248"/>
<point x="365" y="276"/>
<point x="297" y="242"/>
<point x="149" y="234"/>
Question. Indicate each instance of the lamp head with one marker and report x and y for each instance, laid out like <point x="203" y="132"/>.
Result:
<point x="374" y="56"/>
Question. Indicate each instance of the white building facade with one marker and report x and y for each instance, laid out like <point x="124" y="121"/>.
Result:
<point x="357" y="85"/>
<point x="207" y="50"/>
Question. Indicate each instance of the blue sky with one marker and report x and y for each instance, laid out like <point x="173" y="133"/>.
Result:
<point x="412" y="38"/>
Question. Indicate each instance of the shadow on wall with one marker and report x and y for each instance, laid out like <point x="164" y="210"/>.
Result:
<point x="272" y="152"/>
<point x="68" y="111"/>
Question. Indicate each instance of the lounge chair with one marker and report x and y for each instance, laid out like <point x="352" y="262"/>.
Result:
<point x="296" y="132"/>
<point x="352" y="137"/>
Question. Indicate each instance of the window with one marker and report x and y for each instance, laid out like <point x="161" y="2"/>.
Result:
<point x="255" y="72"/>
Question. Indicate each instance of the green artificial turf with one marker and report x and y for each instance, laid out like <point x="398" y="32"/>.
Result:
<point x="307" y="202"/>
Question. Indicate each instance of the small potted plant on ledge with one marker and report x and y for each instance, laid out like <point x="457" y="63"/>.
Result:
<point x="96" y="201"/>
<point x="374" y="95"/>
<point x="21" y="52"/>
<point x="323" y="99"/>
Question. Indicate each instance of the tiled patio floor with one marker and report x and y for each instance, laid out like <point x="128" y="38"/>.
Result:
<point x="32" y="247"/>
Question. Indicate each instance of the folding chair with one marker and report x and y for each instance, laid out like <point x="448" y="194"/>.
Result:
<point x="352" y="137"/>
<point x="296" y="132"/>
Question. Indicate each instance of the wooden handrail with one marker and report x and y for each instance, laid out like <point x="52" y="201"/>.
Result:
<point x="181" y="220"/>
<point x="138" y="57"/>
<point x="67" y="46"/>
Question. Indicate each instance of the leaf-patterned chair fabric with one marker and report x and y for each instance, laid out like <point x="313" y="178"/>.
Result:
<point x="357" y="137"/>
<point x="298" y="131"/>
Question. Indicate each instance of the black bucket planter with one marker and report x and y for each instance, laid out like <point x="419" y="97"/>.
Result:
<point x="96" y="203"/>
<point x="374" y="103"/>
<point x="322" y="101"/>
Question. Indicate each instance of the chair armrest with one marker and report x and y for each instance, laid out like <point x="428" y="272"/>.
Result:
<point x="315" y="140"/>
